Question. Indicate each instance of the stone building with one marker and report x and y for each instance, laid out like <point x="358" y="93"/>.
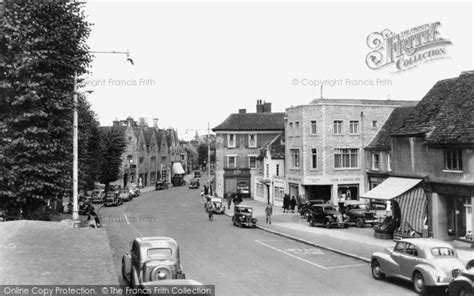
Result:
<point x="435" y="146"/>
<point x="238" y="141"/>
<point x="269" y="180"/>
<point x="324" y="145"/>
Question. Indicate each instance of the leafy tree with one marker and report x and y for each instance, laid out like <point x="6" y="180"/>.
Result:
<point x="42" y="46"/>
<point x="89" y="140"/>
<point x="113" y="145"/>
<point x="203" y="154"/>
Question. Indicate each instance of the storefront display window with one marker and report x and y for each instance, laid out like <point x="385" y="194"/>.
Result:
<point x="460" y="217"/>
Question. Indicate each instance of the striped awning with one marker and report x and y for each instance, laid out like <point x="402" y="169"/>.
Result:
<point x="414" y="208"/>
<point x="177" y="168"/>
<point x="391" y="188"/>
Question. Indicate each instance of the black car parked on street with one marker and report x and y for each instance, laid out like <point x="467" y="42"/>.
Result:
<point x="326" y="215"/>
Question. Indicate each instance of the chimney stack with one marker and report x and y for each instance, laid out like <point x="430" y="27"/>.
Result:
<point x="267" y="107"/>
<point x="155" y="123"/>
<point x="259" y="106"/>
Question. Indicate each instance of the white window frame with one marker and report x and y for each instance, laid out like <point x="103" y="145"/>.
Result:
<point x="375" y="163"/>
<point x="228" y="161"/>
<point x="254" y="145"/>
<point x="255" y="157"/>
<point x="354" y="127"/>
<point x="295" y="158"/>
<point x="346" y="158"/>
<point x="389" y="161"/>
<point x="337" y="127"/>
<point x="314" y="163"/>
<point x="454" y="164"/>
<point x="229" y="145"/>
<point x="314" y="127"/>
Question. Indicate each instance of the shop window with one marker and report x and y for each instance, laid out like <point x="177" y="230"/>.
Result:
<point x="458" y="215"/>
<point x="260" y="189"/>
<point x="453" y="159"/>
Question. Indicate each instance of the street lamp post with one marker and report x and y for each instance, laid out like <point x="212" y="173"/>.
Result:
<point x="75" y="141"/>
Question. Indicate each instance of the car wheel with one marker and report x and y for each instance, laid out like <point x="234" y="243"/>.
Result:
<point x="328" y="224"/>
<point x="419" y="283"/>
<point x="360" y="222"/>
<point x="311" y="221"/>
<point x="376" y="270"/>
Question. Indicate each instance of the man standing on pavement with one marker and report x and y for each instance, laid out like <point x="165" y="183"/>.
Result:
<point x="268" y="213"/>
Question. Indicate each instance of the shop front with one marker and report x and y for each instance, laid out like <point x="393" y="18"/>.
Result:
<point x="237" y="180"/>
<point x="452" y="211"/>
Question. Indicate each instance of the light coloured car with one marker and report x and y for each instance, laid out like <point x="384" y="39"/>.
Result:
<point x="218" y="205"/>
<point x="152" y="259"/>
<point x="425" y="262"/>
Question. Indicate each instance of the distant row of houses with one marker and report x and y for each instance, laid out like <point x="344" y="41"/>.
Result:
<point x="419" y="153"/>
<point x="151" y="153"/>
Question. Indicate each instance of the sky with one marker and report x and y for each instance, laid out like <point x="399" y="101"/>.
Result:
<point x="197" y="62"/>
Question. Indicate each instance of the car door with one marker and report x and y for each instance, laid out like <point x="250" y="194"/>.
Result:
<point x="398" y="259"/>
<point x="409" y="259"/>
<point x="318" y="215"/>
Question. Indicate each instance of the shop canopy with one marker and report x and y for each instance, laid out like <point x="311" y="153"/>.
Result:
<point x="410" y="197"/>
<point x="177" y="168"/>
<point x="391" y="188"/>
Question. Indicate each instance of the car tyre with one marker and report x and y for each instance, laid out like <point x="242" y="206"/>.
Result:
<point x="419" y="283"/>
<point x="376" y="270"/>
<point x="328" y="224"/>
<point x="360" y="222"/>
<point x="311" y="221"/>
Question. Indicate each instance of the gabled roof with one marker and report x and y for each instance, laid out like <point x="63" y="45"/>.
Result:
<point x="160" y="133"/>
<point x="381" y="142"/>
<point x="277" y="149"/>
<point x="148" y="133"/>
<point x="446" y="113"/>
<point x="252" y="122"/>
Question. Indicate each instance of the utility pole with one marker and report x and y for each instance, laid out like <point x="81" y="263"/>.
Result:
<point x="208" y="156"/>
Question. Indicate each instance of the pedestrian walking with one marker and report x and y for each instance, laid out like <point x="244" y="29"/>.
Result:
<point x="206" y="190"/>
<point x="286" y="203"/>
<point x="293" y="204"/>
<point x="210" y="210"/>
<point x="229" y="200"/>
<point x="268" y="213"/>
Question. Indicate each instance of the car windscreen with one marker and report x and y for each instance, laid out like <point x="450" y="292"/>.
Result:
<point x="442" y="252"/>
<point x="159" y="253"/>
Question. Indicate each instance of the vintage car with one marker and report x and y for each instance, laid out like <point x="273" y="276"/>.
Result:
<point x="97" y="195"/>
<point x="218" y="205"/>
<point x="152" y="259"/>
<point x="133" y="190"/>
<point x="112" y="198"/>
<point x="161" y="184"/>
<point x="243" y="188"/>
<point x="358" y="213"/>
<point x="326" y="215"/>
<point x="197" y="174"/>
<point x="305" y="209"/>
<point x="243" y="216"/>
<point x="426" y="262"/>
<point x="194" y="184"/>
<point x="125" y="195"/>
<point x="83" y="205"/>
<point x="464" y="283"/>
<point x="178" y="180"/>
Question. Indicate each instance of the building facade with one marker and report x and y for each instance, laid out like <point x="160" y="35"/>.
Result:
<point x="324" y="157"/>
<point x="269" y="180"/>
<point x="436" y="143"/>
<point x="238" y="142"/>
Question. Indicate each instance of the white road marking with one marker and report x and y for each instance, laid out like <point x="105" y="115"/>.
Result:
<point x="126" y="219"/>
<point x="304" y="260"/>
<point x="291" y="255"/>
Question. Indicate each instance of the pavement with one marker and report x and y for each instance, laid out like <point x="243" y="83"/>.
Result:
<point x="52" y="253"/>
<point x="358" y="243"/>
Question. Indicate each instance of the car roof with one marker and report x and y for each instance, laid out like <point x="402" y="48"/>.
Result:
<point x="354" y="202"/>
<point x="427" y="242"/>
<point x="156" y="241"/>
